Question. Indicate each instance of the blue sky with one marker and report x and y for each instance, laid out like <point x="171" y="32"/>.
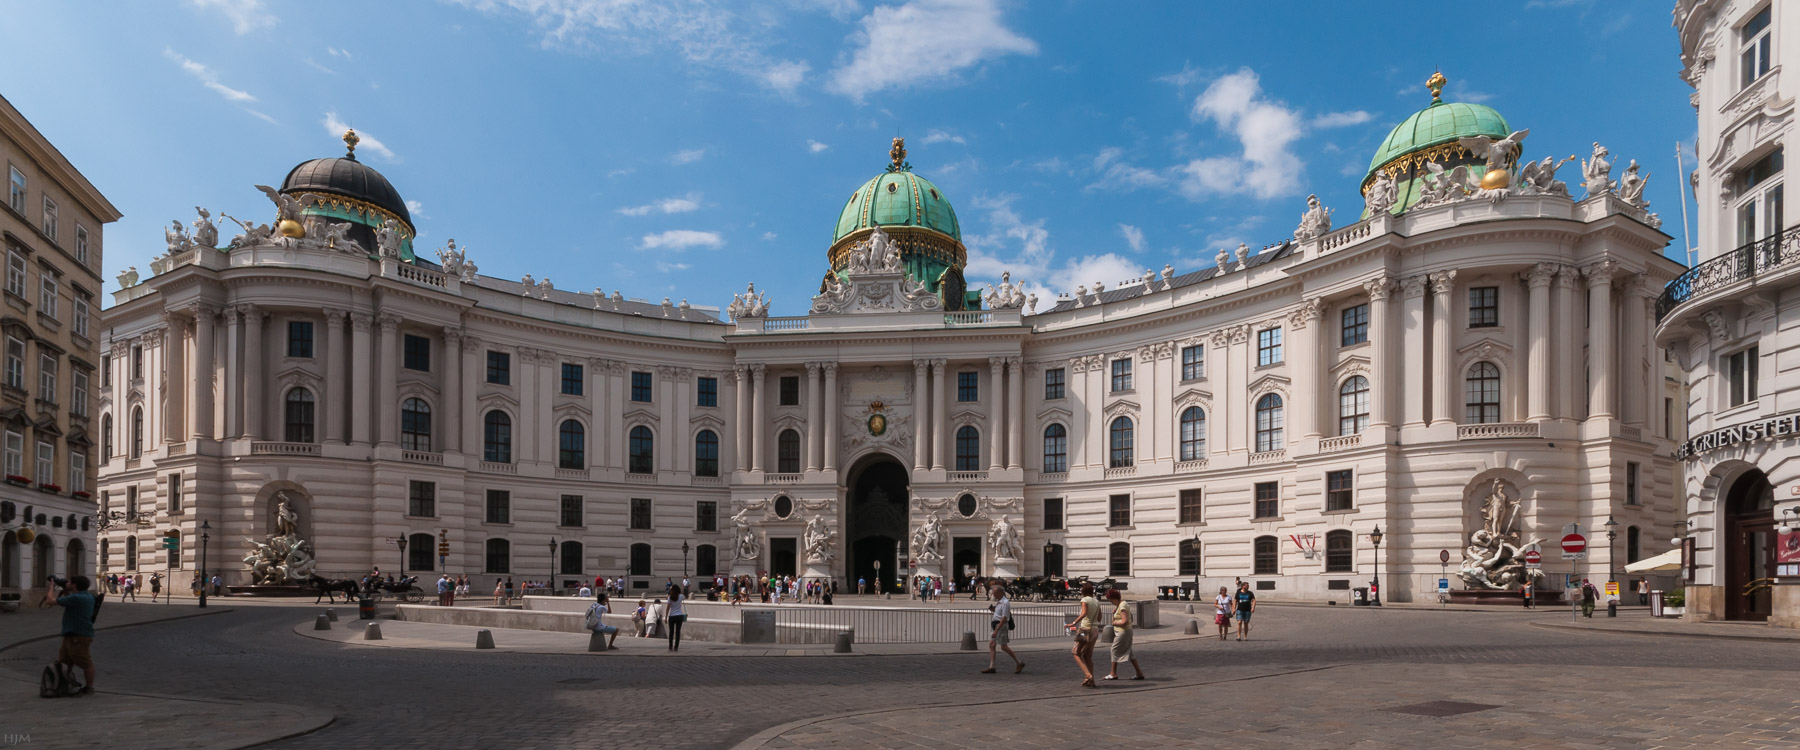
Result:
<point x="684" y="148"/>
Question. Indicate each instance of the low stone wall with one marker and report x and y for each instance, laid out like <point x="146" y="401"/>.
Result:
<point x="571" y="619"/>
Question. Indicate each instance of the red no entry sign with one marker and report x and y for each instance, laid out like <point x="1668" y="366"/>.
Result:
<point x="1532" y="557"/>
<point x="1574" y="544"/>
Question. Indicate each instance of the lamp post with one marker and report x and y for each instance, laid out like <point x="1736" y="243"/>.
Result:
<point x="1048" y="548"/>
<point x="1195" y="594"/>
<point x="401" y="543"/>
<point x="550" y="583"/>
<point x="1612" y="533"/>
<point x="1375" y="583"/>
<point x="205" y="581"/>
<point x="684" y="565"/>
<point x="878" y="586"/>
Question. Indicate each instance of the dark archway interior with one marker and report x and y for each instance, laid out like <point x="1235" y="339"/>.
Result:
<point x="877" y="521"/>
<point x="1749" y="546"/>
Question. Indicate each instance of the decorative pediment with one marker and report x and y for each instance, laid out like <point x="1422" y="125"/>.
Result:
<point x="968" y="417"/>
<point x="1120" y="407"/>
<point x="1354" y="365"/>
<point x="641" y="414"/>
<point x="1054" y="414"/>
<point x="1270" y="383"/>
<point x="503" y="401"/>
<point x="788" y="422"/>
<point x="1193" y="397"/>
<point x="1485" y="349"/>
<point x="418" y="389"/>
<point x="576" y="412"/>
<point x="707" y="421"/>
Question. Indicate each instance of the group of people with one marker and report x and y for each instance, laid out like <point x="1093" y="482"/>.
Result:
<point x="933" y="588"/>
<point x="449" y="588"/>
<point x="1085" y="630"/>
<point x="659" y="619"/>
<point x="772" y="589"/>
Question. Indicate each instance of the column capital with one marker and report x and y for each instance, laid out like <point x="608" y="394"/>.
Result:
<point x="334" y="317"/>
<point x="1566" y="276"/>
<point x="247" y="309"/>
<point x="1307" y="312"/>
<point x="1600" y="274"/>
<point x="830" y="369"/>
<point x="1015" y="363"/>
<point x="1632" y="286"/>
<point x="206" y="310"/>
<point x="1413" y="286"/>
<point x="937" y="367"/>
<point x="1379" y="288"/>
<point x="1539" y="275"/>
<point x="389" y="322"/>
<point x="921" y="366"/>
<point x="1221" y="338"/>
<point x="360" y="321"/>
<point x="453" y="334"/>
<point x="758" y="370"/>
<point x="996" y="364"/>
<point x="1443" y="282"/>
<point x="1239" y="334"/>
<point x="812" y="369"/>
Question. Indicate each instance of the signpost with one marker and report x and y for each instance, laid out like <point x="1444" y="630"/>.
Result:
<point x="1574" y="546"/>
<point x="1533" y="558"/>
<point x="1443" y="577"/>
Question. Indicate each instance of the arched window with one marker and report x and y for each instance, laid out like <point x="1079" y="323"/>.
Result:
<point x="415" y="426"/>
<point x="1268" y="423"/>
<point x="499" y="556"/>
<point x="1121" y="443"/>
<point x="787" y="452"/>
<point x="1340" y="551"/>
<point x="105" y="556"/>
<point x="1267" y="557"/>
<point x="706" y="560"/>
<point x="643" y="451"/>
<point x="1353" y="406"/>
<point x="1187" y="558"/>
<point x="570" y="562"/>
<point x="297" y="416"/>
<point x="571" y="450"/>
<point x="131" y="553"/>
<point x="1632" y="541"/>
<point x="706" y="454"/>
<point x="1056" y="449"/>
<point x="1118" y="559"/>
<point x="496" y="437"/>
<point x="968" y="448"/>
<point x="640" y="559"/>
<point x="1053" y="560"/>
<point x="137" y="431"/>
<point x="1193" y="434"/>
<point x="1483" y="393"/>
<point x="106" y="437"/>
<point x="171" y="554"/>
<point x="421" y="552"/>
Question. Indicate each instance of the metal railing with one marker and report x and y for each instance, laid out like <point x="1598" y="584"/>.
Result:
<point x="919" y="625"/>
<point x="1761" y="256"/>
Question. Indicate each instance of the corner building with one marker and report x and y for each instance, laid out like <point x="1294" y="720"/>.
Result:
<point x="1730" y="321"/>
<point x="1256" y="420"/>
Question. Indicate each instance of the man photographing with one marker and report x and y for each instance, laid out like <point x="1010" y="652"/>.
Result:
<point x="77" y="624"/>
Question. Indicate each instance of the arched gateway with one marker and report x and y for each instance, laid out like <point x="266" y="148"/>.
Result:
<point x="1749" y="543"/>
<point x="876" y="519"/>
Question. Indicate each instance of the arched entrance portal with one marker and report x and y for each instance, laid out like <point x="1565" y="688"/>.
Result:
<point x="1749" y="544"/>
<point x="876" y="518"/>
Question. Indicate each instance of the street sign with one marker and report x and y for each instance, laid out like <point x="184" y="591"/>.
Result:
<point x="1443" y="585"/>
<point x="1444" y="556"/>
<point x="1612" y="589"/>
<point x="1533" y="558"/>
<point x="1574" y="546"/>
<point x="171" y="542"/>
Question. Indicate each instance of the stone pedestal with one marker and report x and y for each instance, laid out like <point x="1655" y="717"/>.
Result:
<point x="817" y="570"/>
<point x="743" y="567"/>
<point x="924" y="569"/>
<point x="1006" y="567"/>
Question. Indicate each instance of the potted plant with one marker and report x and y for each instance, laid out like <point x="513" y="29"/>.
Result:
<point x="1675" y="602"/>
<point x="19" y="480"/>
<point x="81" y="495"/>
<point x="49" y="487"/>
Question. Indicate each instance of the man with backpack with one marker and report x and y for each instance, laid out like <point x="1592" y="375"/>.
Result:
<point x="1001" y="638"/>
<point x="79" y="609"/>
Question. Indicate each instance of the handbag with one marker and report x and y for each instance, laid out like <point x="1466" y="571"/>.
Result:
<point x="1010" y="625"/>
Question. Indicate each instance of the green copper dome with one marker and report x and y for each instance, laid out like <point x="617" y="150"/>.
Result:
<point x="898" y="198"/>
<point x="1440" y="123"/>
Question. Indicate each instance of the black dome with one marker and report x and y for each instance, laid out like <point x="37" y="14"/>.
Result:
<point x="349" y="178"/>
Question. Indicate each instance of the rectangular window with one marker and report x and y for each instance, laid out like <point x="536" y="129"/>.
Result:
<point x="1053" y="514"/>
<point x="1190" y="506"/>
<point x="1740" y="375"/>
<point x="47" y="295"/>
<point x="790" y="390"/>
<point x="81" y="315"/>
<point x="1053" y="383"/>
<point x="131" y="498"/>
<point x="47" y="378"/>
<point x="640" y="514"/>
<point x="421" y="499"/>
<point x="81" y="244"/>
<point x="1121" y="375"/>
<point x="1353" y="325"/>
<point x="1340" y="492"/>
<point x="1631" y="483"/>
<point x="706" y="392"/>
<point x="571" y="511"/>
<point x="15" y="363"/>
<point x="968" y="387"/>
<point x="1759" y="207"/>
<point x="16" y="192"/>
<point x="1268" y="347"/>
<point x="1669" y="418"/>
<point x="1484" y="306"/>
<point x="106" y="371"/>
<point x="417" y="353"/>
<point x="15" y="274"/>
<point x="1193" y="362"/>
<point x="50" y="218"/>
<point x="640" y="387"/>
<point x="46" y="463"/>
<point x="300" y="339"/>
<point x="499" y="506"/>
<point x="574" y="377"/>
<point x="78" y="476"/>
<point x="1268" y="499"/>
<point x="137" y="363"/>
<point x="1753" y="48"/>
<point x="706" y="516"/>
<point x="499" y="369"/>
<point x="15" y="455"/>
<point x="1118" y="511"/>
<point x="175" y="488"/>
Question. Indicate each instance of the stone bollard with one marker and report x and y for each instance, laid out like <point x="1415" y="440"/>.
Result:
<point x="1190" y="609"/>
<point x="372" y="632"/>
<point x="321" y="623"/>
<point x="484" y="638"/>
<point x="844" y="638"/>
<point x="596" y="641"/>
<point x="1106" y="634"/>
<point x="1193" y="627"/>
<point x="968" y="641"/>
<point x="331" y="614"/>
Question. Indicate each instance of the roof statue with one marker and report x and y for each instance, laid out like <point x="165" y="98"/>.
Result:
<point x="1315" y="223"/>
<point x="205" y="233"/>
<point x="1539" y="178"/>
<point x="287" y="211"/>
<point x="1382" y="193"/>
<point x="1631" y="186"/>
<point x="387" y="242"/>
<point x="897" y="155"/>
<point x="1498" y="155"/>
<point x="750" y="304"/>
<point x="1597" y="172"/>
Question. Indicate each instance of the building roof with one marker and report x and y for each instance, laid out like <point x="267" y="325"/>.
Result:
<point x="1129" y="291"/>
<point x="348" y="178"/>
<point x="1442" y="122"/>
<point x="898" y="198"/>
<point x="14" y="125"/>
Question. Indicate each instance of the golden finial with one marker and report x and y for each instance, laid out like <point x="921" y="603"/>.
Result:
<point x="351" y="140"/>
<point x="1436" y="84"/>
<point x="898" y="155"/>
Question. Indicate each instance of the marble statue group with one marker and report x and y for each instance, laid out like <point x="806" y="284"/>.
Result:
<point x="283" y="557"/>
<point x="1494" y="558"/>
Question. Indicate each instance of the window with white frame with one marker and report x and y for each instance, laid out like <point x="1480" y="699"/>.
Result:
<point x="1759" y="199"/>
<point x="1353" y="405"/>
<point x="1753" y="48"/>
<point x="1193" y="362"/>
<point x="46" y="463"/>
<point x="47" y="293"/>
<point x="15" y="454"/>
<point x="81" y="244"/>
<point x="47" y="378"/>
<point x="15" y="362"/>
<point x="16" y="190"/>
<point x="49" y="218"/>
<point x="78" y="393"/>
<point x="15" y="274"/>
<point x="175" y="501"/>
<point x="1740" y="376"/>
<point x="81" y="315"/>
<point x="1268" y="347"/>
<point x="78" y="472"/>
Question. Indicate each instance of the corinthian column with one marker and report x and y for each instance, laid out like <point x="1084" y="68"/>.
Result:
<point x="1443" y="283"/>
<point x="1600" y="339"/>
<point x="1569" y="362"/>
<point x="1305" y="368"/>
<point x="1015" y="420"/>
<point x="254" y="374"/>
<point x="1412" y="326"/>
<point x="937" y="414"/>
<point x="1380" y="290"/>
<point x="388" y="411"/>
<point x="831" y="415"/>
<point x="1537" y="359"/>
<point x="234" y="375"/>
<point x="756" y="417"/>
<point x="359" y="377"/>
<point x="740" y="377"/>
<point x="331" y="360"/>
<point x="174" y="411"/>
<point x="1633" y="320"/>
<point x="815" y="433"/>
<point x="996" y="412"/>
<point x="204" y="350"/>
<point x="452" y="367"/>
<point x="921" y="415"/>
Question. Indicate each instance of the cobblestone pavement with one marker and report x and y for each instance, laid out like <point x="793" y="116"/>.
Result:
<point x="1310" y="677"/>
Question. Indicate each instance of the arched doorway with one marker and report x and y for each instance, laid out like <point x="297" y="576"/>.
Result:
<point x="73" y="562"/>
<point x="1749" y="544"/>
<point x="876" y="518"/>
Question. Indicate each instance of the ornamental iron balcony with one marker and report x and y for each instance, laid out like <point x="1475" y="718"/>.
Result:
<point x="1745" y="262"/>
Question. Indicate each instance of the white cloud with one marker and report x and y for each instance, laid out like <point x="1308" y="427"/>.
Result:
<point x="1022" y="248"/>
<point x="688" y="156"/>
<point x="924" y="41"/>
<point x="1264" y="128"/>
<point x="1342" y="119"/>
<point x="665" y="266"/>
<point x="682" y="205"/>
<point x="814" y="147"/>
<point x="768" y="236"/>
<point x="1133" y="237"/>
<point x="261" y="116"/>
<point x="1114" y="173"/>
<point x="245" y="15"/>
<point x="681" y="239"/>
<point x="208" y="78"/>
<point x="785" y="76"/>
<point x="939" y="136"/>
<point x="1188" y="76"/>
<point x="416" y="208"/>
<point x="336" y="127"/>
<point x="343" y="53"/>
<point x="315" y="64"/>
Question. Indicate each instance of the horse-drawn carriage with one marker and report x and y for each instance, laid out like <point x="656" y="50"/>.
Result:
<point x="406" y="589"/>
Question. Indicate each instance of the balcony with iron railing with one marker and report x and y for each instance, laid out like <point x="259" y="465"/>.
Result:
<point x="1744" y="263"/>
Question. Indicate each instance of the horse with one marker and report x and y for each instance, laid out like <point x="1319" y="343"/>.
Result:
<point x="329" y="586"/>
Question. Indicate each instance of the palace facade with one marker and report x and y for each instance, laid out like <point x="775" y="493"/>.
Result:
<point x="1259" y="419"/>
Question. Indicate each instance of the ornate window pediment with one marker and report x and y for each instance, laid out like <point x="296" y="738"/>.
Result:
<point x="707" y="422"/>
<point x="572" y="411"/>
<point x="1193" y="397"/>
<point x="641" y="415"/>
<point x="1054" y="414"/>
<point x="1270" y="383"/>
<point x="788" y="422"/>
<point x="1120" y="407"/>
<point x="968" y="417"/>
<point x="1493" y="350"/>
<point x="418" y="389"/>
<point x="1353" y="365"/>
<point x="502" y="401"/>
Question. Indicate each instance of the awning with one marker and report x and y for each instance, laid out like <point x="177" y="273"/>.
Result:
<point x="1670" y="560"/>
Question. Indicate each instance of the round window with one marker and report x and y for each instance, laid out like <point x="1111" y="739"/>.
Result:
<point x="784" y="506"/>
<point x="966" y="505"/>
<point x="892" y="187"/>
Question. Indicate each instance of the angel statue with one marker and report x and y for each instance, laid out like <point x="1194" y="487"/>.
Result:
<point x="1497" y="154"/>
<point x="387" y="241"/>
<point x="1598" y="172"/>
<point x="1316" y="222"/>
<point x="1539" y="178"/>
<point x="205" y="234"/>
<point x="287" y="209"/>
<point x="1383" y="193"/>
<point x="1631" y="185"/>
<point x="177" y="237"/>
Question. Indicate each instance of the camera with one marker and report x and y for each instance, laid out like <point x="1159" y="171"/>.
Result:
<point x="57" y="583"/>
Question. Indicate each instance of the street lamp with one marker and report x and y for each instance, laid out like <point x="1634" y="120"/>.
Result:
<point x="1612" y="533"/>
<point x="1375" y="583"/>
<point x="1048" y="548"/>
<point x="401" y="543"/>
<point x="205" y="527"/>
<point x="1195" y="594"/>
<point x="684" y="567"/>
<point x="549" y="584"/>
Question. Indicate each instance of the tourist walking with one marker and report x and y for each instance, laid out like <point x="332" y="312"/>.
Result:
<point x="1588" y="595"/>
<point x="1525" y="592"/>
<point x="1222" y="612"/>
<point x="130" y="588"/>
<point x="639" y="617"/>
<point x="676" y="615"/>
<point x="509" y="588"/>
<point x="1087" y="630"/>
<point x="596" y="619"/>
<point x="1643" y="591"/>
<point x="155" y="586"/>
<point x="79" y="608"/>
<point x="1244" y="606"/>
<point x="1121" y="645"/>
<point x="1001" y="637"/>
<point x="217" y="584"/>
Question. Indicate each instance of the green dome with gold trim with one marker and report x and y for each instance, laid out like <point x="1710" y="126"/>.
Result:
<point x="898" y="198"/>
<point x="1432" y="134"/>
